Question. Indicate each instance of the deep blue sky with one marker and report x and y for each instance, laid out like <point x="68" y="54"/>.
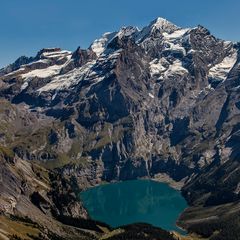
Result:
<point x="29" y="25"/>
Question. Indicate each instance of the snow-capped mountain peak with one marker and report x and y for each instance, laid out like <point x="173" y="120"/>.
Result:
<point x="159" y="25"/>
<point x="155" y="28"/>
<point x="99" y="45"/>
<point x="164" y="25"/>
<point x="127" y="31"/>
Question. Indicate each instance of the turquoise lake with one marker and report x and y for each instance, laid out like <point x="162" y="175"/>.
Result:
<point x="128" y="202"/>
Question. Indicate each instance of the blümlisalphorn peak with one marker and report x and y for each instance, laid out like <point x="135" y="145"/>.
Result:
<point x="135" y="137"/>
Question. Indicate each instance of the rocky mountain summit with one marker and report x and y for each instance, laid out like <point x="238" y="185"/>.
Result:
<point x="136" y="103"/>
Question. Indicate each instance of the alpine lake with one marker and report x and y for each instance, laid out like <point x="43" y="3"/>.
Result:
<point x="136" y="201"/>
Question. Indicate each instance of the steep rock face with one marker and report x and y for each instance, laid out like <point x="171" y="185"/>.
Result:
<point x="136" y="103"/>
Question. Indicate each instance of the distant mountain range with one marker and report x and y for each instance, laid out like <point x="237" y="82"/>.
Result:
<point x="135" y="104"/>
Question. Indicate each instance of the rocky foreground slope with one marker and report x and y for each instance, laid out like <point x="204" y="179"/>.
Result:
<point x="136" y="103"/>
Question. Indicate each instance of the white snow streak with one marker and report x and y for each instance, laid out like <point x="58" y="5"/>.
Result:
<point x="70" y="78"/>
<point x="43" y="73"/>
<point x="221" y="70"/>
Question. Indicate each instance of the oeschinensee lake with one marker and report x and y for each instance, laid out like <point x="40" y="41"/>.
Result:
<point x="136" y="201"/>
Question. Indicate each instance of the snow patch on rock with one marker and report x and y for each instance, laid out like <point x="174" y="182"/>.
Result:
<point x="57" y="54"/>
<point x="99" y="45"/>
<point x="220" y="71"/>
<point x="70" y="78"/>
<point x="43" y="73"/>
<point x="175" y="68"/>
<point x="127" y="31"/>
<point x="178" y="34"/>
<point x="156" y="66"/>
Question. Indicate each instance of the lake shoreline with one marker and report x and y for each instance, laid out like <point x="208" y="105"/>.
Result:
<point x="164" y="178"/>
<point x="160" y="177"/>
